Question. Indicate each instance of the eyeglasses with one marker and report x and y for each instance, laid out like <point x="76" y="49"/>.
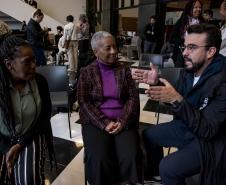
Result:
<point x="191" y="47"/>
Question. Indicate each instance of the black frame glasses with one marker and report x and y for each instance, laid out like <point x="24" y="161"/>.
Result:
<point x="191" y="47"/>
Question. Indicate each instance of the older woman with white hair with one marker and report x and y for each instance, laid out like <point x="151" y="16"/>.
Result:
<point x="109" y="113"/>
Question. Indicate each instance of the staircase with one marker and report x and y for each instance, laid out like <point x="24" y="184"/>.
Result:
<point x="19" y="11"/>
<point x="10" y="21"/>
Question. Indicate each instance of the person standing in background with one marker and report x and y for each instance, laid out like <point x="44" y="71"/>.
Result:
<point x="83" y="40"/>
<point x="223" y="28"/>
<point x="70" y="34"/>
<point x="83" y="33"/>
<point x="58" y="35"/>
<point x="151" y="35"/>
<point x="54" y="47"/>
<point x="35" y="36"/>
<point x="61" y="50"/>
<point x="208" y="17"/>
<point x="191" y="15"/>
<point x="24" y="26"/>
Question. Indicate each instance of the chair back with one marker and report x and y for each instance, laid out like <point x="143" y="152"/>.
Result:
<point x="146" y="59"/>
<point x="171" y="74"/>
<point x="134" y="40"/>
<point x="56" y="77"/>
<point x="139" y="42"/>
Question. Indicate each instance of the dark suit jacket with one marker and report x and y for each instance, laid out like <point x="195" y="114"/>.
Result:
<point x="90" y="96"/>
<point x="35" y="34"/>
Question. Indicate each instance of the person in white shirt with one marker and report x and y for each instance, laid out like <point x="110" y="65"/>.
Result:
<point x="61" y="48"/>
<point x="70" y="33"/>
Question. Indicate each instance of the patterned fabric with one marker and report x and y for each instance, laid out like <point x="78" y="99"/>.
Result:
<point x="29" y="168"/>
<point x="90" y="96"/>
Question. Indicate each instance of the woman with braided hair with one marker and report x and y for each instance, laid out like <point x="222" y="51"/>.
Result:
<point x="25" y="111"/>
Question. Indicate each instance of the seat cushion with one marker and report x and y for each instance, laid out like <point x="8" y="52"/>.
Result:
<point x="59" y="99"/>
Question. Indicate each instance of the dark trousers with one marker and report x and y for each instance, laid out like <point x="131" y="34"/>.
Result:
<point x="39" y="56"/>
<point x="111" y="159"/>
<point x="83" y="56"/>
<point x="83" y="46"/>
<point x="149" y="47"/>
<point x="175" y="167"/>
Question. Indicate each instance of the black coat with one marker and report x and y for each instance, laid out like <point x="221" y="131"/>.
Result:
<point x="35" y="34"/>
<point x="203" y="110"/>
<point x="154" y="35"/>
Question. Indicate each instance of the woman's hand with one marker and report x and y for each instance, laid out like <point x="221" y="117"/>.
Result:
<point x="113" y="127"/>
<point x="116" y="129"/>
<point x="11" y="156"/>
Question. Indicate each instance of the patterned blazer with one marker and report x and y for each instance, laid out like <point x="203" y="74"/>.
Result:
<point x="90" y="96"/>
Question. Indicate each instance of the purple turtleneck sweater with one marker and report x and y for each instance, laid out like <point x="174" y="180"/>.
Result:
<point x="112" y="106"/>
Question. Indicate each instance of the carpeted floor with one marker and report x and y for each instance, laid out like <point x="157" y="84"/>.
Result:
<point x="65" y="151"/>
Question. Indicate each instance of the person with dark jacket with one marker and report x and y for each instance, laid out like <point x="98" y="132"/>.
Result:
<point x="208" y="18"/>
<point x="25" y="111"/>
<point x="59" y="34"/>
<point x="109" y="113"/>
<point x="191" y="15"/>
<point x="198" y="101"/>
<point x="151" y="33"/>
<point x="35" y="37"/>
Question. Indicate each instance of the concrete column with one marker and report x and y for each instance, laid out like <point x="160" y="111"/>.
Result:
<point x="106" y="15"/>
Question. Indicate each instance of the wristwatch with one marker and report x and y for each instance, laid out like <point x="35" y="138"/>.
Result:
<point x="175" y="104"/>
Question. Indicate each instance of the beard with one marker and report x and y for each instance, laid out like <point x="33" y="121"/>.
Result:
<point x="195" y="65"/>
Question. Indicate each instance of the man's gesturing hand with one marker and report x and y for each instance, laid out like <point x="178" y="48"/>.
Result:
<point x="166" y="93"/>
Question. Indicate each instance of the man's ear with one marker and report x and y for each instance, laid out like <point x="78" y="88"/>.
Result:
<point x="211" y="52"/>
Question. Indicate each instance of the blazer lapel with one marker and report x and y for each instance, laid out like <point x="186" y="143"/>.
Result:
<point x="97" y="78"/>
<point x="119" y="75"/>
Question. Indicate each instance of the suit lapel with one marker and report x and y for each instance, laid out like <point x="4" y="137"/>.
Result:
<point x="119" y="75"/>
<point x="96" y="78"/>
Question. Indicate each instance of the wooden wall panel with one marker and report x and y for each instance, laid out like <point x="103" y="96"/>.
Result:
<point x="129" y="23"/>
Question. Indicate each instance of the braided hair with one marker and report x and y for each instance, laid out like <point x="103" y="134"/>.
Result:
<point x="9" y="47"/>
